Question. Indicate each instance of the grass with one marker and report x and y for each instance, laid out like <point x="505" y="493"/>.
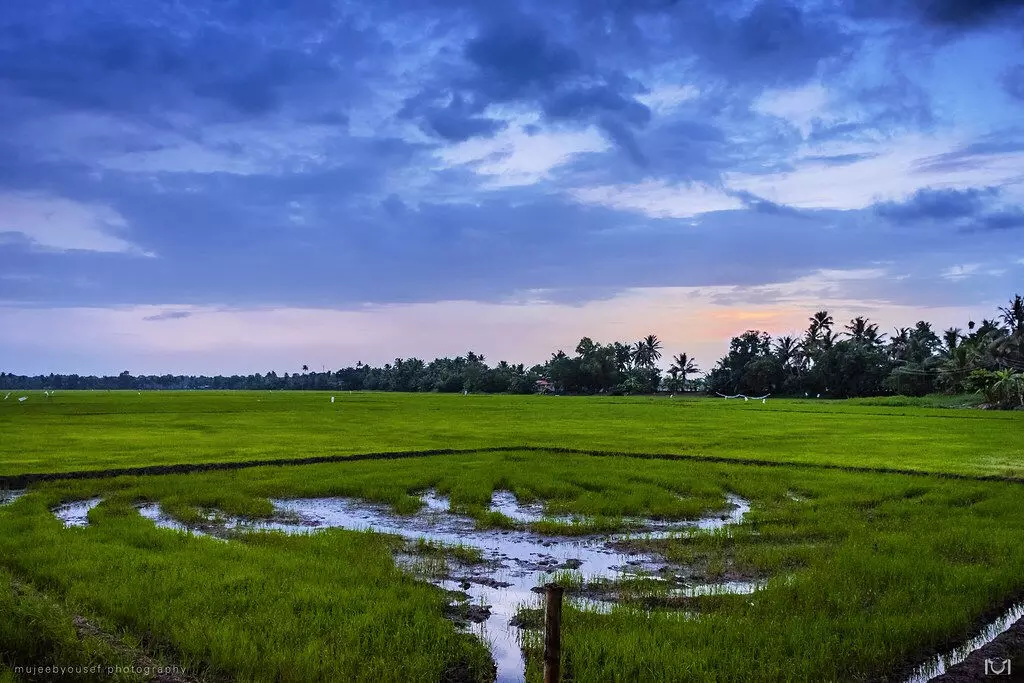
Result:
<point x="37" y="631"/>
<point x="866" y="573"/>
<point x="329" y="607"/>
<point x="101" y="430"/>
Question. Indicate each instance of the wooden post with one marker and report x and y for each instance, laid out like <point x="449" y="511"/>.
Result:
<point x="553" y="633"/>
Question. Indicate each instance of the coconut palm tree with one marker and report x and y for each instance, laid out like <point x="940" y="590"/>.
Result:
<point x="820" y="325"/>
<point x="1013" y="315"/>
<point x="899" y="344"/>
<point x="647" y="351"/>
<point x="673" y="373"/>
<point x="654" y="346"/>
<point x="623" y="356"/>
<point x="951" y="341"/>
<point x="786" y="348"/>
<point x="863" y="332"/>
<point x="820" y="322"/>
<point x="683" y="365"/>
<point x="956" y="368"/>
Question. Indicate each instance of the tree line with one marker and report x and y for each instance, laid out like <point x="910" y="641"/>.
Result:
<point x="859" y="360"/>
<point x="827" y="360"/>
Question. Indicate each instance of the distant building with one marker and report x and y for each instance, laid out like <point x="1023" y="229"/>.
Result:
<point x="544" y="386"/>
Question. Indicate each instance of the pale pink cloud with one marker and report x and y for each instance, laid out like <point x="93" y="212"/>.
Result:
<point x="176" y="338"/>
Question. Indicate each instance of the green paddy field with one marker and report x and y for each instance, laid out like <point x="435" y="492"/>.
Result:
<point x="879" y="533"/>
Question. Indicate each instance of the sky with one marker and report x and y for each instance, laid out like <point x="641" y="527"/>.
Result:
<point x="235" y="186"/>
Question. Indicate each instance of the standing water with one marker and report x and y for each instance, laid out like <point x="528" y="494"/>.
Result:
<point x="77" y="512"/>
<point x="516" y="562"/>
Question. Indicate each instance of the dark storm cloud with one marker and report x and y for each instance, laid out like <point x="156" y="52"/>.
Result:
<point x="969" y="209"/>
<point x="929" y="205"/>
<point x="1010" y="219"/>
<point x="142" y="65"/>
<point x="450" y="116"/>
<point x="216" y="248"/>
<point x="368" y="211"/>
<point x="519" y="62"/>
<point x="945" y="14"/>
<point x="777" y="43"/>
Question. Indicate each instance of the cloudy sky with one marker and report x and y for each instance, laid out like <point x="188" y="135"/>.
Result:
<point x="245" y="185"/>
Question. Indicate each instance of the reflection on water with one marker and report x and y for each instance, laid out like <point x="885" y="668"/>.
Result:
<point x="515" y="561"/>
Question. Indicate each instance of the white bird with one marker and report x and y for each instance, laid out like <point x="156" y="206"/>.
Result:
<point x="764" y="400"/>
<point x="745" y="398"/>
<point x="332" y="399"/>
<point x="23" y="398"/>
<point x="818" y="396"/>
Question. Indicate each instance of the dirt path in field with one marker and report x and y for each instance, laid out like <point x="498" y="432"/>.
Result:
<point x="18" y="481"/>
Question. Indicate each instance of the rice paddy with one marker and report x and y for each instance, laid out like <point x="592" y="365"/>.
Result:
<point x="759" y="545"/>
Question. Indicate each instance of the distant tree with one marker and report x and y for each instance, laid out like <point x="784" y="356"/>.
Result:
<point x="647" y="351"/>
<point x="683" y="365"/>
<point x="863" y="332"/>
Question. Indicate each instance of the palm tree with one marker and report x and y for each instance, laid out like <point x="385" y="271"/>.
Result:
<point x="647" y="351"/>
<point x="951" y="340"/>
<point x="899" y="343"/>
<point x="639" y="355"/>
<point x="956" y="369"/>
<point x="623" y="356"/>
<point x="1010" y="348"/>
<point x="1013" y="315"/>
<point x="683" y="365"/>
<point x="863" y="332"/>
<point x="820" y="321"/>
<point x="789" y="353"/>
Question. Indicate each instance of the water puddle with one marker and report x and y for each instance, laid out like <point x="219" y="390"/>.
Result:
<point x="738" y="509"/>
<point x="724" y="588"/>
<point x="76" y="513"/>
<point x="939" y="664"/>
<point x="8" y="497"/>
<point x="152" y="511"/>
<point x="516" y="561"/>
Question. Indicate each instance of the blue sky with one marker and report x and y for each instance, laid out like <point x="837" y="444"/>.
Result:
<point x="245" y="185"/>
